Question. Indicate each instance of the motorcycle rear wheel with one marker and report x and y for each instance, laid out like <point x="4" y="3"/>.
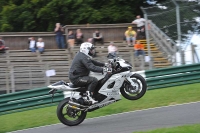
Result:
<point x="134" y="92"/>
<point x="69" y="116"/>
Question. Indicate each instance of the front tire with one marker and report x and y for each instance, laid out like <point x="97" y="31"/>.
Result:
<point x="134" y="92"/>
<point x="69" y="116"/>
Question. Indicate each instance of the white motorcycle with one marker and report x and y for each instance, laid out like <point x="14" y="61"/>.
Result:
<point x="118" y="80"/>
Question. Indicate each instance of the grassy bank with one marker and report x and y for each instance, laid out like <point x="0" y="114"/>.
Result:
<point x="180" y="129"/>
<point x="153" y="98"/>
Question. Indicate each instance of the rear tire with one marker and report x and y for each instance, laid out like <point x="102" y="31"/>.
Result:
<point x="134" y="92"/>
<point x="65" y="114"/>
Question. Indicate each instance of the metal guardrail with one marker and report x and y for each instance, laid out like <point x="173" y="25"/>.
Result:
<point x="28" y="99"/>
<point x="156" y="79"/>
<point x="173" y="76"/>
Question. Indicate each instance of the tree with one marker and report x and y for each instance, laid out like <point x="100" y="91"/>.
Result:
<point x="41" y="15"/>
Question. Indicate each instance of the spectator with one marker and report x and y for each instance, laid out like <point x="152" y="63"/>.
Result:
<point x="32" y="44"/>
<point x="2" y="46"/>
<point x="40" y="45"/>
<point x="140" y="22"/>
<point x="71" y="39"/>
<point x="97" y="37"/>
<point x="90" y="40"/>
<point x="130" y="36"/>
<point x="139" y="49"/>
<point x="112" y="50"/>
<point x="59" y="36"/>
<point x="79" y="37"/>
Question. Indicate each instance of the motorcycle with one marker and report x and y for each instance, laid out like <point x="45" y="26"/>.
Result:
<point x="117" y="80"/>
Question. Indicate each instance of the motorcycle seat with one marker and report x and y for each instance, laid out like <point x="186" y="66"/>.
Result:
<point x="73" y="86"/>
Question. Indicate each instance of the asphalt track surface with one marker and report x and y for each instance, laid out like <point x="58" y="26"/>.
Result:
<point x="161" y="117"/>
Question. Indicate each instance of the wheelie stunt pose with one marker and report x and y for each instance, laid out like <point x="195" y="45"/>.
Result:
<point x="88" y="93"/>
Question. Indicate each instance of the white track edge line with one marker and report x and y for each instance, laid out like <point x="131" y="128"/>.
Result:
<point x="111" y="115"/>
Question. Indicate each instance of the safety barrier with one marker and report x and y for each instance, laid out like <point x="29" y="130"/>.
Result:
<point x="28" y="99"/>
<point x="157" y="78"/>
<point x="173" y="76"/>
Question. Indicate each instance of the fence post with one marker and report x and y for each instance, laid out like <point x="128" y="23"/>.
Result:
<point x="194" y="53"/>
<point x="147" y="36"/>
<point x="179" y="30"/>
<point x="7" y="81"/>
<point x="12" y="78"/>
<point x="30" y="77"/>
<point x="47" y="78"/>
<point x="132" y="59"/>
<point x="142" y="62"/>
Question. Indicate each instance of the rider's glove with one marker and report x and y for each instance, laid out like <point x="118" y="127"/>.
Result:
<point x="107" y="70"/>
<point x="104" y="70"/>
<point x="106" y="65"/>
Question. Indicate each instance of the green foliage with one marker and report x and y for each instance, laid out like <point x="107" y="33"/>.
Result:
<point x="41" y="15"/>
<point x="6" y="27"/>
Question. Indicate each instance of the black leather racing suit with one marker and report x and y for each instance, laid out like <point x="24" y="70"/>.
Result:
<point x="80" y="69"/>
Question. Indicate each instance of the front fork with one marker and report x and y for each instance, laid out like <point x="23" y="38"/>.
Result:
<point x="131" y="81"/>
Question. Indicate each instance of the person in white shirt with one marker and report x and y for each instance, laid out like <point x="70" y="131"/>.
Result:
<point x="32" y="44"/>
<point x="140" y="22"/>
<point x="40" y="45"/>
<point x="112" y="50"/>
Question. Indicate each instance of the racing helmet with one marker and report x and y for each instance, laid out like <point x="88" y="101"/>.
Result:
<point x="87" y="48"/>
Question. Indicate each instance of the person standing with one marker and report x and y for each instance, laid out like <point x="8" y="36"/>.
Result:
<point x="71" y="39"/>
<point x="79" y="37"/>
<point x="140" y="22"/>
<point x="59" y="36"/>
<point x="70" y="42"/>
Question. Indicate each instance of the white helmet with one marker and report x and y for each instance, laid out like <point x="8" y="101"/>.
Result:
<point x="87" y="48"/>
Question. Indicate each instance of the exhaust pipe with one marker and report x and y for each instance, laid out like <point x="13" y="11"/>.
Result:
<point x="76" y="104"/>
<point x="76" y="108"/>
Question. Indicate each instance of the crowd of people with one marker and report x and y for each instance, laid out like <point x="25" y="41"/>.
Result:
<point x="36" y="45"/>
<point x="77" y="38"/>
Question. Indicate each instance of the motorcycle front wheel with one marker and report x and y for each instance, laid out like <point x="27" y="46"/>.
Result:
<point x="69" y="116"/>
<point x="137" y="90"/>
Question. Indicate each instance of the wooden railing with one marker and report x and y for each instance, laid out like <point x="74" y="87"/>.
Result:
<point x="19" y="40"/>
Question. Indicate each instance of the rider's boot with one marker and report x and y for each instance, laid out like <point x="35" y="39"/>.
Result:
<point x="90" y="97"/>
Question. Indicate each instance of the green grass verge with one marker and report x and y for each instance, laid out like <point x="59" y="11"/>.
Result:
<point x="152" y="98"/>
<point x="180" y="129"/>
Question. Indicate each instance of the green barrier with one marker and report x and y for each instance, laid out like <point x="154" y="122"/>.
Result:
<point x="173" y="78"/>
<point x="172" y="70"/>
<point x="28" y="99"/>
<point x="173" y="84"/>
<point x="30" y="108"/>
<point x="34" y="101"/>
<point x="23" y="94"/>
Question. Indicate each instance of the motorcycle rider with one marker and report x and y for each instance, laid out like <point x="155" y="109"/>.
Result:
<point x="81" y="66"/>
